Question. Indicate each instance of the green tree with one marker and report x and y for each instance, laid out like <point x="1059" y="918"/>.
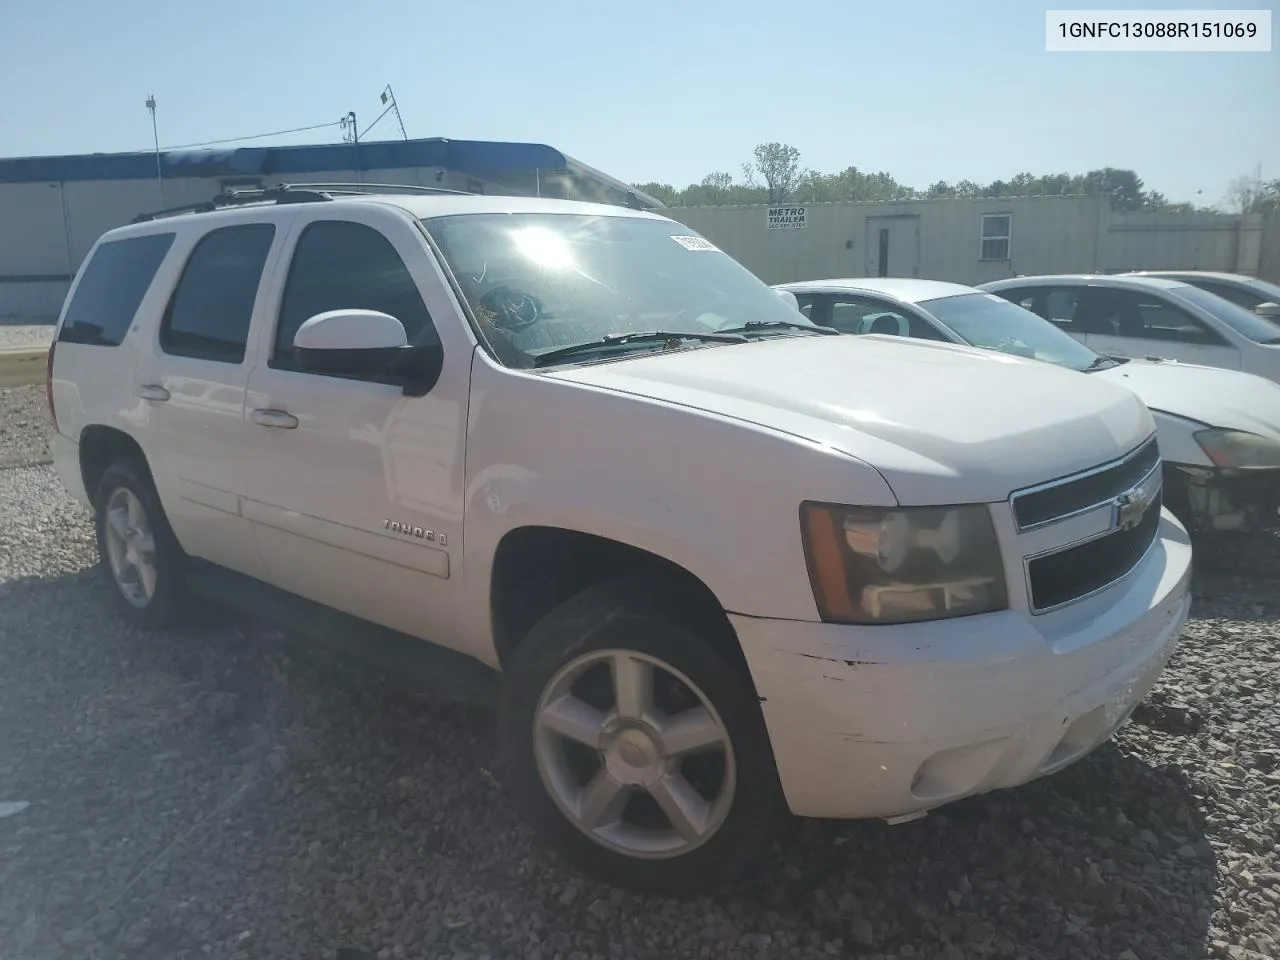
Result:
<point x="779" y="165"/>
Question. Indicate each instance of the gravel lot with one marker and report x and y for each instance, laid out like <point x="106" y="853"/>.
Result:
<point x="231" y="792"/>
<point x="25" y="334"/>
<point x="24" y="425"/>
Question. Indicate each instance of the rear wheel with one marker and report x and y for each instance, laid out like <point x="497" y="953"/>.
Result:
<point x="140" y="556"/>
<point x="636" y="747"/>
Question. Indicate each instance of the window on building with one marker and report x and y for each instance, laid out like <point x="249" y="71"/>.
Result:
<point x="339" y="265"/>
<point x="112" y="288"/>
<point x="997" y="228"/>
<point x="211" y="308"/>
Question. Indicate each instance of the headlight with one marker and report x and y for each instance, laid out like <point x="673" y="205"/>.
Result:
<point x="902" y="564"/>
<point x="1238" y="449"/>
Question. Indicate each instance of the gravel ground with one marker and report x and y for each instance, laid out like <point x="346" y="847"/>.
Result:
<point x="24" y="425"/>
<point x="230" y="792"/>
<point x="26" y="334"/>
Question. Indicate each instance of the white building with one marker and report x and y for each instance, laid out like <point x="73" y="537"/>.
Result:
<point x="53" y="209"/>
<point x="975" y="240"/>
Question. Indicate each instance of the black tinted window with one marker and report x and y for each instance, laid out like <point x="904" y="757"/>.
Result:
<point x="210" y="312"/>
<point x="1240" y="296"/>
<point x="347" y="266"/>
<point x="111" y="289"/>
<point x="1127" y="313"/>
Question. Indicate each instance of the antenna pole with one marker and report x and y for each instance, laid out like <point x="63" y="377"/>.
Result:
<point x="151" y="106"/>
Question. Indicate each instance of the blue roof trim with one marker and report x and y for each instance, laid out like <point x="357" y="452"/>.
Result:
<point x="486" y="159"/>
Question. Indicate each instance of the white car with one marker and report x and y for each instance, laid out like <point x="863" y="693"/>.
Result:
<point x="1219" y="429"/>
<point x="1130" y="316"/>
<point x="1260" y="296"/>
<point x="713" y="561"/>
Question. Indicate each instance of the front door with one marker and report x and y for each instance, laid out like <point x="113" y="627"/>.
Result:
<point x="355" y="491"/>
<point x="893" y="246"/>
<point x="1132" y="323"/>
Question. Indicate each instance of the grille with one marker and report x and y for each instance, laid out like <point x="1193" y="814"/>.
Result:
<point x="1071" y="496"/>
<point x="1076" y="572"/>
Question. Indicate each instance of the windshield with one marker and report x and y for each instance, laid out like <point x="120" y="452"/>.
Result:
<point x="1244" y="322"/>
<point x="986" y="320"/>
<point x="539" y="282"/>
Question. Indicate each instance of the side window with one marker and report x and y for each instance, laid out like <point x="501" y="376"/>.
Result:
<point x="1239" y="296"/>
<point x="342" y="265"/>
<point x="1128" y="313"/>
<point x="211" y="308"/>
<point x="112" y="288"/>
<point x="868" y="315"/>
<point x="997" y="231"/>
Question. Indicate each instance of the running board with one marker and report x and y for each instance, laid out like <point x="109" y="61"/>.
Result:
<point x="906" y="817"/>
<point x="435" y="670"/>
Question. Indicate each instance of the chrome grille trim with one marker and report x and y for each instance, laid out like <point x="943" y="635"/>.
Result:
<point x="1155" y="476"/>
<point x="1122" y="468"/>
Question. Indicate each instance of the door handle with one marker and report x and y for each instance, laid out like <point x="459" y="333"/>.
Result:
<point x="153" y="391"/>
<point x="274" y="418"/>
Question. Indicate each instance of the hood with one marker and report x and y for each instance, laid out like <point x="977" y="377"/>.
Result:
<point x="1208" y="395"/>
<point x="941" y="423"/>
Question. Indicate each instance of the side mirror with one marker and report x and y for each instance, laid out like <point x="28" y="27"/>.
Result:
<point x="1269" y="310"/>
<point x="367" y="345"/>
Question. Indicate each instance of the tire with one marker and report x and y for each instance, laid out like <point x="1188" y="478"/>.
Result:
<point x="153" y="602"/>
<point x="626" y="626"/>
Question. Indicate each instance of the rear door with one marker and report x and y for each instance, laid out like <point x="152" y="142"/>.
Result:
<point x="189" y="386"/>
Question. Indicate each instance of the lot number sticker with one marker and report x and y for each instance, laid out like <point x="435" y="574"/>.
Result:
<point x="786" y="218"/>
<point x="694" y="243"/>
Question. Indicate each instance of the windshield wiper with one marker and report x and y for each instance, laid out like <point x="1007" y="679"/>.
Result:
<point x="1103" y="363"/>
<point x="622" y="339"/>
<point x="752" y="326"/>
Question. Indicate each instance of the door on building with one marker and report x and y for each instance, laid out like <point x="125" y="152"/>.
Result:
<point x="893" y="246"/>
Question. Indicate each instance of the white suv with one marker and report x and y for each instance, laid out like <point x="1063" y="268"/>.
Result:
<point x="711" y="568"/>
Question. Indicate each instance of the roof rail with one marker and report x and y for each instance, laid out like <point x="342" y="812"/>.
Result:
<point x="289" y="193"/>
<point x="357" y="188"/>
<point x="240" y="197"/>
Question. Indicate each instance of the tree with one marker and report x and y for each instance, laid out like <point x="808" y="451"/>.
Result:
<point x="1253" y="195"/>
<point x="1122" y="187"/>
<point x="779" y="165"/>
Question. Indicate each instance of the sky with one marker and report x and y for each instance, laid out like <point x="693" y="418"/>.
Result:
<point x="669" y="91"/>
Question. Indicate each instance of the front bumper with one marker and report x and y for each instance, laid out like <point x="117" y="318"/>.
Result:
<point x="1213" y="500"/>
<point x="894" y="720"/>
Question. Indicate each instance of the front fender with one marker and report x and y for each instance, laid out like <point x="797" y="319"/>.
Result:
<point x="716" y="496"/>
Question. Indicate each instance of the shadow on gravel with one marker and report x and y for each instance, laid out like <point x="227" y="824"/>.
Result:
<point x="1106" y="856"/>
<point x="228" y="791"/>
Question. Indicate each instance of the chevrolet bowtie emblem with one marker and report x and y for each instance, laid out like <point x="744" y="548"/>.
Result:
<point x="1132" y="505"/>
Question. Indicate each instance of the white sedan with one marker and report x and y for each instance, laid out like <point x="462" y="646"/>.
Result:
<point x="1260" y="296"/>
<point x="1219" y="430"/>
<point x="1131" y="316"/>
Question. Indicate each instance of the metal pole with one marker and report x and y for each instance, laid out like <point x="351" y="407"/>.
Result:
<point x="389" y="94"/>
<point x="355" y="138"/>
<point x="151" y="105"/>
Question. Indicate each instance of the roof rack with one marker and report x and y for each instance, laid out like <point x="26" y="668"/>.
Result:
<point x="357" y="188"/>
<point x="288" y="193"/>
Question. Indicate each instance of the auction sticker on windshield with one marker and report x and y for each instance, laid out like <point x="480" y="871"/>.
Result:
<point x="695" y="243"/>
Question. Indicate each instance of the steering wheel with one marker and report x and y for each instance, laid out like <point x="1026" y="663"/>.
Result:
<point x="512" y="309"/>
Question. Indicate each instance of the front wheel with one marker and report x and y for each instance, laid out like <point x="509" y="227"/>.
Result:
<point x="636" y="747"/>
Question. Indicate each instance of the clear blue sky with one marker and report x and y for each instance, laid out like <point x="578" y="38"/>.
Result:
<point x="664" y="91"/>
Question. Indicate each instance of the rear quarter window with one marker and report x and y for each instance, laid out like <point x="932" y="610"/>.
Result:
<point x="111" y="288"/>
